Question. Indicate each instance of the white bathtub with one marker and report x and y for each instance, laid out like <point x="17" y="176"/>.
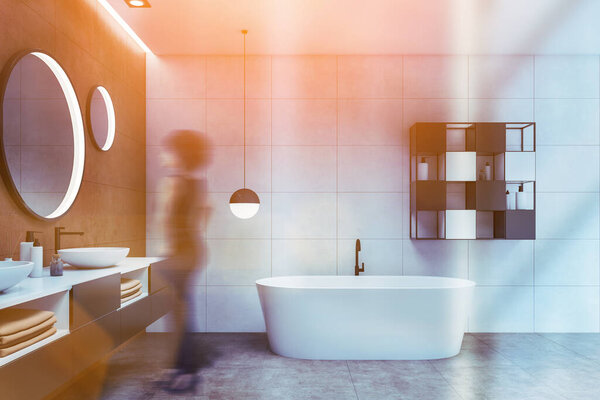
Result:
<point x="365" y="317"/>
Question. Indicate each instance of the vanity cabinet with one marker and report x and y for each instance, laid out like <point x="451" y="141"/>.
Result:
<point x="92" y="325"/>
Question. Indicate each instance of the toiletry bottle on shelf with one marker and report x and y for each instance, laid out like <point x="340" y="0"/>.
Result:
<point x="56" y="266"/>
<point x="488" y="171"/>
<point x="524" y="199"/>
<point x="37" y="257"/>
<point x="510" y="201"/>
<point x="25" y="247"/>
<point x="422" y="170"/>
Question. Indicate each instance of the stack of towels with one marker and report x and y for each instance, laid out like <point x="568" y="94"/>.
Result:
<point x="130" y="288"/>
<point x="21" y="328"/>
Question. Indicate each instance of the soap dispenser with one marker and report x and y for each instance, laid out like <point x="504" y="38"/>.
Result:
<point x="37" y="257"/>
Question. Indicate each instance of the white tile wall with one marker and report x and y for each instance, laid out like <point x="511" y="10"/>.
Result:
<point x="436" y="257"/>
<point x="328" y="157"/>
<point x="560" y="77"/>
<point x="567" y="215"/>
<point x="233" y="309"/>
<point x="381" y="257"/>
<point x="567" y="121"/>
<point x="304" y="257"/>
<point x="370" y="168"/>
<point x="436" y="77"/>
<point x="566" y="262"/>
<point x="508" y="77"/>
<point x="566" y="309"/>
<point x="370" y="215"/>
<point x="304" y="215"/>
<point x="568" y="169"/>
<point x="304" y="168"/>
<point x="501" y="262"/>
<point x="502" y="309"/>
<point x="238" y="261"/>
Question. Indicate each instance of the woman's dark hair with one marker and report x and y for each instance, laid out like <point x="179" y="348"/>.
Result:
<point x="190" y="147"/>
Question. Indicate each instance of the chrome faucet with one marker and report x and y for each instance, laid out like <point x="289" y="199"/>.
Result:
<point x="357" y="270"/>
<point x="58" y="232"/>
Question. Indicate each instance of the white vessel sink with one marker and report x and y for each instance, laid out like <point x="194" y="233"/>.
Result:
<point x="94" y="257"/>
<point x="13" y="272"/>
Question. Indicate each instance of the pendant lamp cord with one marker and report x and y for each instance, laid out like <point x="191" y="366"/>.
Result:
<point x="244" y="32"/>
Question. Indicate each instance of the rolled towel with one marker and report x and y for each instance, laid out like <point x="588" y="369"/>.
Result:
<point x="125" y="293"/>
<point x="9" y="350"/>
<point x="13" y="320"/>
<point x="127" y="283"/>
<point x="26" y="334"/>
<point x="131" y="296"/>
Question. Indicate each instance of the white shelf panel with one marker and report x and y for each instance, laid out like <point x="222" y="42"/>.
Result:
<point x="130" y="302"/>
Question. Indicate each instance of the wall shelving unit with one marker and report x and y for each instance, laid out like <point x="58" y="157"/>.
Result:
<point x="455" y="201"/>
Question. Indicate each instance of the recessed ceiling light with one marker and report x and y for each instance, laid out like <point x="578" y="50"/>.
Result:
<point x="138" y="3"/>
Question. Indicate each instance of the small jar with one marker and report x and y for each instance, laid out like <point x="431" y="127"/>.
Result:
<point x="56" y="266"/>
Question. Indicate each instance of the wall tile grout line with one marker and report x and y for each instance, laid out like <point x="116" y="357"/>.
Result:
<point x="271" y="153"/>
<point x="205" y="72"/>
<point x="533" y="242"/>
<point x="337" y="164"/>
<point x="403" y="175"/>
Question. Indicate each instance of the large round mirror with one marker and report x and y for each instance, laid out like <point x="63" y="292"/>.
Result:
<point x="101" y="115"/>
<point x="43" y="142"/>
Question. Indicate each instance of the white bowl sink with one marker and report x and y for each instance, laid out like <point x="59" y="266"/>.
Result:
<point x="94" y="257"/>
<point x="13" y="272"/>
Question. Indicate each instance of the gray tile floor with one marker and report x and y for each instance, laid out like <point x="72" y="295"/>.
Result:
<point x="490" y="366"/>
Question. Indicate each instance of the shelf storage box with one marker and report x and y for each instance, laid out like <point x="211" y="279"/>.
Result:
<point x="471" y="166"/>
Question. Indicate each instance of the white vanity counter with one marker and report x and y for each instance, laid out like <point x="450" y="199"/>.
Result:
<point x="35" y="288"/>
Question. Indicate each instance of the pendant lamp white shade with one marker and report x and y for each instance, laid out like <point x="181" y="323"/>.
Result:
<point x="244" y="203"/>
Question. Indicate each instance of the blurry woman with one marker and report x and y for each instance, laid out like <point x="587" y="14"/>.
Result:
<point x="181" y="209"/>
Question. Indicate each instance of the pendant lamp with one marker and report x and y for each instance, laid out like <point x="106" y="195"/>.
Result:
<point x="244" y="203"/>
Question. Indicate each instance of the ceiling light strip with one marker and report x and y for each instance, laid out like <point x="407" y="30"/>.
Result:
<point x="124" y="25"/>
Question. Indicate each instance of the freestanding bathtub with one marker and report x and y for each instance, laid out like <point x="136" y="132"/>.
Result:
<point x="365" y="317"/>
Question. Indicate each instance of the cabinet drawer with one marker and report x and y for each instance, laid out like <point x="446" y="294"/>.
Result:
<point x="161" y="303"/>
<point x="38" y="373"/>
<point x="91" y="300"/>
<point x="135" y="318"/>
<point x="95" y="340"/>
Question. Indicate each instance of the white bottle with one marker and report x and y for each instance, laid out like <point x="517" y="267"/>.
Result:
<point x="488" y="171"/>
<point x="25" y="251"/>
<point x="510" y="201"/>
<point x="524" y="200"/>
<point x="25" y="247"/>
<point x="37" y="257"/>
<point x="422" y="170"/>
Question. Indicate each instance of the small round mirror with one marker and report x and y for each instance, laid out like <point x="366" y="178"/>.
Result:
<point x="42" y="135"/>
<point x="101" y="114"/>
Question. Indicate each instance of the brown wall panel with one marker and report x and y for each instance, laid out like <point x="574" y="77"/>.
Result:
<point x="93" y="49"/>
